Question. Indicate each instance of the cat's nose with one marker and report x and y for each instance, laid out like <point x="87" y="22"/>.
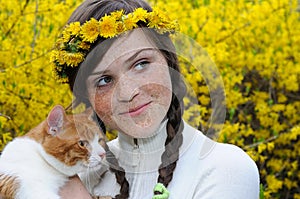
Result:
<point x="102" y="154"/>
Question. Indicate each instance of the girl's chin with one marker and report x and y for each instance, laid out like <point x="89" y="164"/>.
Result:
<point x="143" y="126"/>
<point x="136" y="130"/>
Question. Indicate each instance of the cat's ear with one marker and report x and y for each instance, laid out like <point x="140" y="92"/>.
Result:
<point x="55" y="119"/>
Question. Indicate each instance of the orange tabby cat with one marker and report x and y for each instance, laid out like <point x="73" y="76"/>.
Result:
<point x="36" y="165"/>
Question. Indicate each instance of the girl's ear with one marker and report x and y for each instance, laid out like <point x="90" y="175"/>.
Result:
<point x="55" y="120"/>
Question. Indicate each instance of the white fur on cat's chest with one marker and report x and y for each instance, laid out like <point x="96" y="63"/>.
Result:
<point x="25" y="160"/>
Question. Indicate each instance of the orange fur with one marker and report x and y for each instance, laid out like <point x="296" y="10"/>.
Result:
<point x="60" y="136"/>
<point x="65" y="146"/>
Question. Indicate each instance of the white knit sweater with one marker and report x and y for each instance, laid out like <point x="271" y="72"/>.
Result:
<point x="205" y="169"/>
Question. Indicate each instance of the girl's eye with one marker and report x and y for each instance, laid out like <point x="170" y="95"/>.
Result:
<point x="141" y="65"/>
<point x="103" y="81"/>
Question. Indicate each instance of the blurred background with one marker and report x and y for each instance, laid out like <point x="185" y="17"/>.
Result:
<point x="254" y="44"/>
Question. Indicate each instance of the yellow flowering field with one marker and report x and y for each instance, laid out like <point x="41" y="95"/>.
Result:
<point x="255" y="45"/>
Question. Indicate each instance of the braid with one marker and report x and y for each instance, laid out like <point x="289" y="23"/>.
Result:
<point x="119" y="173"/>
<point x="114" y="165"/>
<point x="171" y="154"/>
<point x="175" y="123"/>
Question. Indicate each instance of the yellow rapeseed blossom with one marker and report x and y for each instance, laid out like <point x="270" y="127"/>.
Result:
<point x="274" y="183"/>
<point x="254" y="44"/>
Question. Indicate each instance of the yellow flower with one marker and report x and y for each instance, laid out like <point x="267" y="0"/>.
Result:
<point x="108" y="27"/>
<point x="66" y="35"/>
<point x="163" y="18"/>
<point x="90" y="30"/>
<point x="61" y="79"/>
<point x="120" y="27"/>
<point x="60" y="43"/>
<point x="129" y="22"/>
<point x="274" y="184"/>
<point x="140" y="14"/>
<point x="117" y="14"/>
<point x="74" y="28"/>
<point x="84" y="45"/>
<point x="76" y="40"/>
<point x="159" y="20"/>
<point x="53" y="55"/>
<point x="73" y="59"/>
<point x="58" y="56"/>
<point x="153" y="19"/>
<point x="173" y="26"/>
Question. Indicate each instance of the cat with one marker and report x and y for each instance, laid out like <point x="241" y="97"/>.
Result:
<point x="38" y="164"/>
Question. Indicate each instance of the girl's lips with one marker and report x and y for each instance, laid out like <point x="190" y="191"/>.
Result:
<point x="137" y="110"/>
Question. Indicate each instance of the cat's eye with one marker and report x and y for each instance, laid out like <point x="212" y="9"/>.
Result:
<point x="82" y="143"/>
<point x="101" y="140"/>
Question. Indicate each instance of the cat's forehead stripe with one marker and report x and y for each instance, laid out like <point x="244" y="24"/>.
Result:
<point x="89" y="132"/>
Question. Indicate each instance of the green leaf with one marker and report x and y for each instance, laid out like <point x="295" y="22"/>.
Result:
<point x="51" y="27"/>
<point x="22" y="91"/>
<point x="270" y="102"/>
<point x="231" y="114"/>
<point x="206" y="2"/>
<point x="261" y="192"/>
<point x="21" y="127"/>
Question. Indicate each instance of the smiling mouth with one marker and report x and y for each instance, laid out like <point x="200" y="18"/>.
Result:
<point x="136" y="110"/>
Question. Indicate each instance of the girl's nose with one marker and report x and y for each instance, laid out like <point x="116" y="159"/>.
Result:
<point x="127" y="89"/>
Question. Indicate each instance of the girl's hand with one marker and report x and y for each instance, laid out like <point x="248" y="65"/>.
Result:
<point x="74" y="189"/>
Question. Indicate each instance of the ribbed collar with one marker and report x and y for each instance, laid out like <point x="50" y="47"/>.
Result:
<point x="145" y="145"/>
<point x="144" y="154"/>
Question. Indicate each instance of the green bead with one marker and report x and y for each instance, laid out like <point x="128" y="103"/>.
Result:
<point x="159" y="187"/>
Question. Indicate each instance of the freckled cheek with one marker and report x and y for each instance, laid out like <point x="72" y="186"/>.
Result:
<point x="162" y="93"/>
<point x="162" y="88"/>
<point x="102" y="104"/>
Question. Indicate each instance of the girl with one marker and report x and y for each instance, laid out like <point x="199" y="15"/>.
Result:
<point x="118" y="59"/>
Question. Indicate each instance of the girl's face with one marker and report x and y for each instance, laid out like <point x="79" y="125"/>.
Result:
<point x="130" y="89"/>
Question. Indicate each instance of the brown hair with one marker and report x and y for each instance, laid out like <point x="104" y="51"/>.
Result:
<point x="97" y="9"/>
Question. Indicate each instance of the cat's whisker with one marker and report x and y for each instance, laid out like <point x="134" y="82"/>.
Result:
<point x="79" y="149"/>
<point x="88" y="179"/>
<point x="109" y="156"/>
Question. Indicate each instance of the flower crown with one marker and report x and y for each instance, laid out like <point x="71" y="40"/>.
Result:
<point x="76" y="40"/>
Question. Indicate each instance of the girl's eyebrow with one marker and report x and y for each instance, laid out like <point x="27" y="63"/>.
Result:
<point x="128" y="60"/>
<point x="132" y="57"/>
